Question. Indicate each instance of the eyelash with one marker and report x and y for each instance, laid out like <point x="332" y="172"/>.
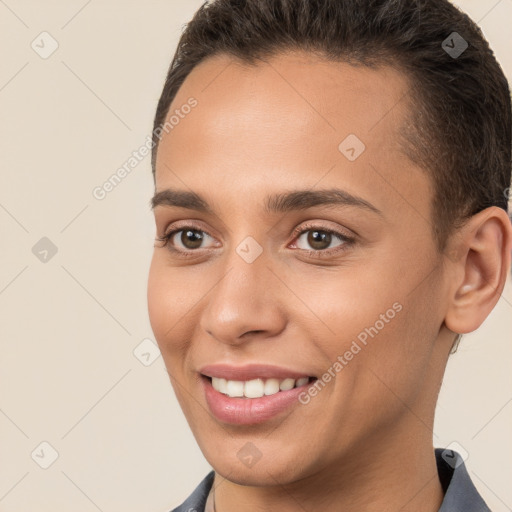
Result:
<point x="347" y="241"/>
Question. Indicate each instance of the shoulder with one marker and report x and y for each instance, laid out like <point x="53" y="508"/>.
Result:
<point x="197" y="500"/>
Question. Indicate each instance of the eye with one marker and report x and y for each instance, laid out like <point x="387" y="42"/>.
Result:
<point x="189" y="240"/>
<point x="321" y="239"/>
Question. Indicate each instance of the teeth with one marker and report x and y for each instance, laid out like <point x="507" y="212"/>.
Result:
<point x="223" y="388"/>
<point x="255" y="388"/>
<point x="271" y="386"/>
<point x="235" y="388"/>
<point x="301" y="382"/>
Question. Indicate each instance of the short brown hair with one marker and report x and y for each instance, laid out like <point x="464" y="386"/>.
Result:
<point x="460" y="108"/>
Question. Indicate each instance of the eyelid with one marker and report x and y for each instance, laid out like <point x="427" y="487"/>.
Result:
<point x="311" y="225"/>
<point x="194" y="224"/>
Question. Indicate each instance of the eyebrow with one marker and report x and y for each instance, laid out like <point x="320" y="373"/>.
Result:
<point x="275" y="203"/>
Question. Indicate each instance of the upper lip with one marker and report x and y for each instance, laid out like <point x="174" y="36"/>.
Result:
<point x="250" y="371"/>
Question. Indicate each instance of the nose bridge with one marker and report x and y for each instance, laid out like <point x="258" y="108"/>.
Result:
<point x="242" y="285"/>
<point x="242" y="299"/>
<point x="245" y="261"/>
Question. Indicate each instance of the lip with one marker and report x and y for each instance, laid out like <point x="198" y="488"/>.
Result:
<point x="249" y="411"/>
<point x="251" y="371"/>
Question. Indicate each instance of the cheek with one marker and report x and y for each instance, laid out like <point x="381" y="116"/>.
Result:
<point x="157" y="301"/>
<point x="351" y="306"/>
<point x="398" y="360"/>
<point x="166" y="307"/>
<point x="164" y="314"/>
<point x="383" y="335"/>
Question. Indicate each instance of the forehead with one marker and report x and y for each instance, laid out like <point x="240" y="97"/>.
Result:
<point x="287" y="118"/>
<point x="298" y="92"/>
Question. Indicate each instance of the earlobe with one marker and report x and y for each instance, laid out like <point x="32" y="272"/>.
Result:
<point x="484" y="247"/>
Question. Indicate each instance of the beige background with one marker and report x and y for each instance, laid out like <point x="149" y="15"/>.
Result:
<point x="69" y="327"/>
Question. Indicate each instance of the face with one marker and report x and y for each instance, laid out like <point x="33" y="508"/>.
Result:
<point x="344" y="288"/>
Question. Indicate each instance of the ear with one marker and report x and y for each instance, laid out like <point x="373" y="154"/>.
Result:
<point x="479" y="263"/>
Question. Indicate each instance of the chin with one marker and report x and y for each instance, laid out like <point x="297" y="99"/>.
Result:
<point x="260" y="475"/>
<point x="265" y="471"/>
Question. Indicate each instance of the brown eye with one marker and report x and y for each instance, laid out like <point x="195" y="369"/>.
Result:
<point x="184" y="241"/>
<point x="190" y="238"/>
<point x="319" y="240"/>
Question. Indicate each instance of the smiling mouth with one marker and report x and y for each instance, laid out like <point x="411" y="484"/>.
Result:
<point x="256" y="388"/>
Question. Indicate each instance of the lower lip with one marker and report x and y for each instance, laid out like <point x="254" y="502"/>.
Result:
<point x="248" y="411"/>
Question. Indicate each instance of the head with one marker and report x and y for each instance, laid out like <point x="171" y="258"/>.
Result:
<point x="340" y="187"/>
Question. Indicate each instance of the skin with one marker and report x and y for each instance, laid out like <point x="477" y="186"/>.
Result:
<point x="273" y="128"/>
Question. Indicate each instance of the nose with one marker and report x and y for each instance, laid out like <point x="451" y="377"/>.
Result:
<point x="244" y="304"/>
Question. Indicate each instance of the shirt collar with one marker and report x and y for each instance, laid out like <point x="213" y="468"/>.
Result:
<point x="460" y="493"/>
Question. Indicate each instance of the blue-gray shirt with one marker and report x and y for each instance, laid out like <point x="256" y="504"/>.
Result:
<point x="460" y="492"/>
